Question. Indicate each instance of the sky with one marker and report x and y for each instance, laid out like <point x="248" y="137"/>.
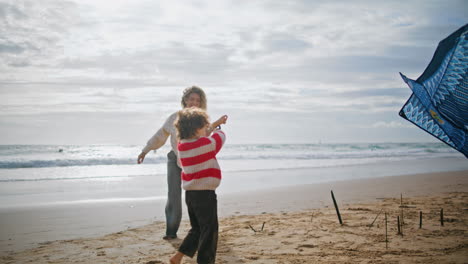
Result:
<point x="111" y="72"/>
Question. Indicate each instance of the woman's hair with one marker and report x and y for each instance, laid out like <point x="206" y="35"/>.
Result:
<point x="197" y="90"/>
<point x="189" y="121"/>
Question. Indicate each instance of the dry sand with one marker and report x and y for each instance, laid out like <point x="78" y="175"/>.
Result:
<point x="307" y="235"/>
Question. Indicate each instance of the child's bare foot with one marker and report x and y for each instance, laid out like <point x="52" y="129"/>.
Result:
<point x="173" y="261"/>
<point x="177" y="258"/>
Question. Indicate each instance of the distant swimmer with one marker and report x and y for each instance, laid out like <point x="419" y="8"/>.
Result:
<point x="60" y="150"/>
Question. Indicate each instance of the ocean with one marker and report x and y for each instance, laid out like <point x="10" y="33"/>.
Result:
<point x="48" y="175"/>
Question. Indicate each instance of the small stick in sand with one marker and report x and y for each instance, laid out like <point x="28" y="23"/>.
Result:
<point x="402" y="220"/>
<point x="420" y="219"/>
<point x="442" y="217"/>
<point x="401" y="223"/>
<point x="401" y="206"/>
<point x="386" y="234"/>
<point x="398" y="224"/>
<point x="375" y="218"/>
<point x="336" y="207"/>
<point x="263" y="225"/>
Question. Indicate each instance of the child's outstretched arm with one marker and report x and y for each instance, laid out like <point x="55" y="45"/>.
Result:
<point x="220" y="121"/>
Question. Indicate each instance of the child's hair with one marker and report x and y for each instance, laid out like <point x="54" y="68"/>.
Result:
<point x="189" y="121"/>
<point x="197" y="90"/>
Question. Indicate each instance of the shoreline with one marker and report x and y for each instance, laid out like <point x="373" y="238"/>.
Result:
<point x="29" y="228"/>
<point x="136" y="189"/>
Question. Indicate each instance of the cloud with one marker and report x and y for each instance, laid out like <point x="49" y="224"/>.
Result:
<point x="284" y="58"/>
<point x="11" y="48"/>
<point x="376" y="92"/>
<point x="391" y="124"/>
<point x="32" y="32"/>
<point x="8" y="10"/>
<point x="285" y="42"/>
<point x="296" y="41"/>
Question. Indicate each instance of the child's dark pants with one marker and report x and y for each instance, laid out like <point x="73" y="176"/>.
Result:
<point x="203" y="213"/>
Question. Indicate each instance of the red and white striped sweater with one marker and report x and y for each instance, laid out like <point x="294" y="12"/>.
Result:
<point x="200" y="169"/>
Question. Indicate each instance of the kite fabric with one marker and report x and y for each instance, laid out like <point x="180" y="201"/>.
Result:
<point x="439" y="103"/>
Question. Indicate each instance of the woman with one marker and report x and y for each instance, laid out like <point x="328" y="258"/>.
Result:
<point x="192" y="97"/>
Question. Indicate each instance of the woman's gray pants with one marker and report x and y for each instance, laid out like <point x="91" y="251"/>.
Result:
<point x="174" y="193"/>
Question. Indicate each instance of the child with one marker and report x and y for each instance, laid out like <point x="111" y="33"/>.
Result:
<point x="201" y="176"/>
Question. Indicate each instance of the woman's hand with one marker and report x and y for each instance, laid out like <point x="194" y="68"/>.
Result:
<point x="141" y="157"/>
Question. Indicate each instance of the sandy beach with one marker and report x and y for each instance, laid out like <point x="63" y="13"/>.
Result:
<point x="297" y="224"/>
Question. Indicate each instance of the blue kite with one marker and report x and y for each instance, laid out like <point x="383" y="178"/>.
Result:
<point x="439" y="103"/>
